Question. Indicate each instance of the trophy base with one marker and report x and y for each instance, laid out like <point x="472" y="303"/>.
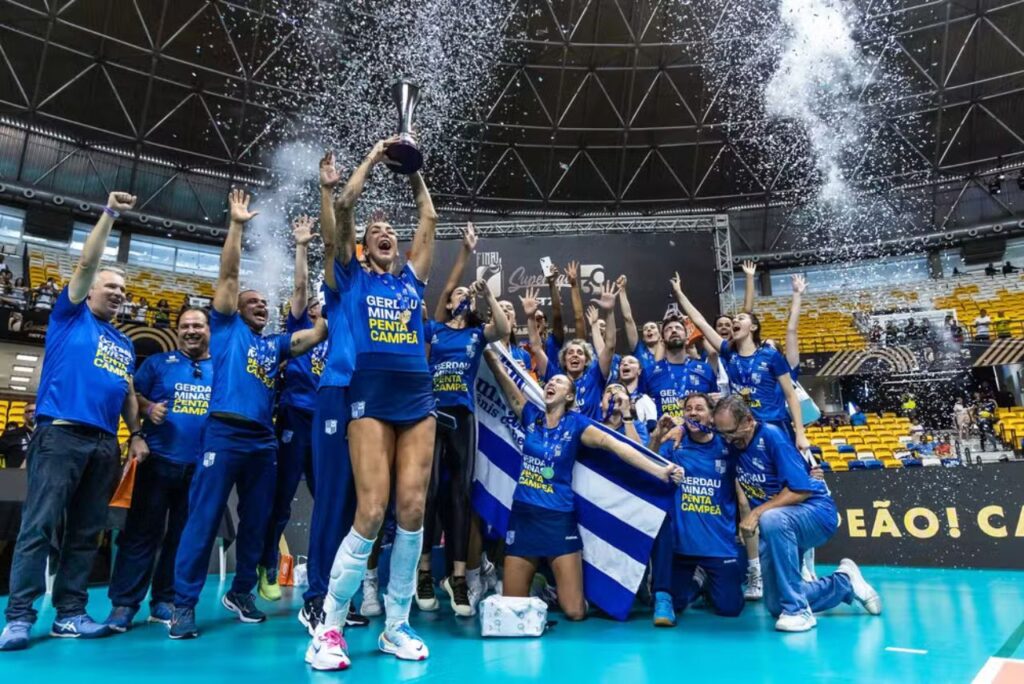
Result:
<point x="404" y="157"/>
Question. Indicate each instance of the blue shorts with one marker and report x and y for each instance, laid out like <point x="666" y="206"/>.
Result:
<point x="535" y="532"/>
<point x="394" y="397"/>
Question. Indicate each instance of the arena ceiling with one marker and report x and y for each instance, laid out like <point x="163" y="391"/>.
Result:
<point x="600" y="105"/>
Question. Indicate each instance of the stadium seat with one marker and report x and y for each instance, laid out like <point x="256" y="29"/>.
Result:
<point x="855" y="464"/>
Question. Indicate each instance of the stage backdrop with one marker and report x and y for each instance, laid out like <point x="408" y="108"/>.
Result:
<point x="510" y="265"/>
<point x="934" y="517"/>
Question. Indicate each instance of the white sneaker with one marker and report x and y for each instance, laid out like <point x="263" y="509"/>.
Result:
<point x="807" y="572"/>
<point x="488" y="577"/>
<point x="328" y="650"/>
<point x="755" y="588"/>
<point x="403" y="642"/>
<point x="803" y="621"/>
<point x="371" y="606"/>
<point x="862" y="591"/>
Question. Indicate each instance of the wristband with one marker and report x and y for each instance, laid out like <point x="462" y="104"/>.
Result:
<point x="111" y="213"/>
<point x="137" y="433"/>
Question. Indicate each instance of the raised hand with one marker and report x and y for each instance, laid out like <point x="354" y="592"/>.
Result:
<point x="677" y="284"/>
<point x="469" y="237"/>
<point x="606" y="302"/>
<point x="553" y="276"/>
<point x="572" y="270"/>
<point x="478" y="288"/>
<point x="329" y="175"/>
<point x="799" y="284"/>
<point x="749" y="267"/>
<point x="302" y="230"/>
<point x="530" y="303"/>
<point x="620" y="283"/>
<point x="379" y="152"/>
<point x="592" y="315"/>
<point x="120" y="201"/>
<point x="238" y="203"/>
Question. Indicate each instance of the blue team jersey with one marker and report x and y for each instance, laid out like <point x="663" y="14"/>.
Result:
<point x="589" y="388"/>
<point x="341" y="357"/>
<point x="184" y="385"/>
<point x="302" y="374"/>
<point x="771" y="462"/>
<point x="613" y="372"/>
<point x="641" y="431"/>
<point x="704" y="516"/>
<point x="522" y="357"/>
<point x="454" y="360"/>
<point x="86" y="368"/>
<point x="384" y="315"/>
<point x="644" y="355"/>
<point x="548" y="457"/>
<point x="669" y="383"/>
<point x="245" y="368"/>
<point x="757" y="378"/>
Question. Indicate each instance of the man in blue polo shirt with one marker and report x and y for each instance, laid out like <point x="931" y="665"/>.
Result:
<point x="74" y="458"/>
<point x="673" y="378"/>
<point x="173" y="390"/>
<point x="238" y="444"/>
<point x="793" y="513"/>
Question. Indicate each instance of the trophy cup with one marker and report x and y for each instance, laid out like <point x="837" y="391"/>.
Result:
<point x="404" y="156"/>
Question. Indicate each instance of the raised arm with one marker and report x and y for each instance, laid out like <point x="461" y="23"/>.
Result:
<point x="793" y="402"/>
<point x="344" y="208"/>
<point x="302" y="231"/>
<point x="225" y="297"/>
<point x="596" y="338"/>
<point x="632" y="334"/>
<point x="749" y="269"/>
<point x="422" y="257"/>
<point x="595" y="438"/>
<point x="698" y="319"/>
<point x="557" y="319"/>
<point x="468" y="245"/>
<point x="572" y="272"/>
<point x="530" y="306"/>
<point x="92" y="250"/>
<point x="329" y="179"/>
<point x="516" y="400"/>
<point x="792" y="332"/>
<point x="498" y="328"/>
<point x="302" y="341"/>
<point x="607" y="306"/>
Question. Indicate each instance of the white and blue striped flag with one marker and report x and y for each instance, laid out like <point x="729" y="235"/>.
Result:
<point x="619" y="509"/>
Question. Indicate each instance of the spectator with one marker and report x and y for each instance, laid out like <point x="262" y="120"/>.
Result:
<point x="1002" y="325"/>
<point x="126" y="313"/>
<point x="858" y="418"/>
<point x="991" y="270"/>
<point x="961" y="418"/>
<point x="162" y="317"/>
<point x="20" y="291"/>
<point x="7" y="269"/>
<point x="944" y="449"/>
<point x="982" y="326"/>
<point x="891" y="333"/>
<point x="141" y="310"/>
<point x="1009" y="268"/>
<point x="14" y="442"/>
<point x="956" y="272"/>
<point x="908" y="404"/>
<point x="45" y="296"/>
<point x="876" y="334"/>
<point x="912" y="330"/>
<point x="985" y="413"/>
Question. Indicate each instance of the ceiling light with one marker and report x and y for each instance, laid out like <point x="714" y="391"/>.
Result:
<point x="27" y="357"/>
<point x="23" y="369"/>
<point x="995" y="186"/>
<point x="20" y="388"/>
<point x="18" y="378"/>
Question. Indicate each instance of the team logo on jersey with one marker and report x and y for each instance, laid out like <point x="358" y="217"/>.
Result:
<point x="510" y="537"/>
<point x="208" y="458"/>
<point x="758" y="463"/>
<point x="171" y="359"/>
<point x="719" y="466"/>
<point x="330" y="426"/>
<point x="358" y="409"/>
<point x="433" y="340"/>
<point x="286" y="436"/>
<point x="755" y="378"/>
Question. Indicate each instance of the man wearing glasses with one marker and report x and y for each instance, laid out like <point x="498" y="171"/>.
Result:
<point x="173" y="390"/>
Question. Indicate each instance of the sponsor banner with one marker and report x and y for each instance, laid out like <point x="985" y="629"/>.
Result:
<point x="959" y="517"/>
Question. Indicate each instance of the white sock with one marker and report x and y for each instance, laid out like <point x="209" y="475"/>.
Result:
<point x="485" y="564"/>
<point x="473" y="578"/>
<point x="346" y="577"/>
<point x="405" y="563"/>
<point x="754" y="565"/>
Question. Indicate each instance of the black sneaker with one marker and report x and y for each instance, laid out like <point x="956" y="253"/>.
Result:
<point x="244" y="606"/>
<point x="458" y="592"/>
<point x="312" y="614"/>
<point x="354" y="619"/>
<point x="183" y="624"/>
<point x="425" y="597"/>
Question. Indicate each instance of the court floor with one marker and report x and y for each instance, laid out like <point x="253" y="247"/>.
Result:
<point x="937" y="626"/>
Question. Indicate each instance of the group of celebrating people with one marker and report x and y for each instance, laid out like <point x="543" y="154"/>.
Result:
<point x="374" y="404"/>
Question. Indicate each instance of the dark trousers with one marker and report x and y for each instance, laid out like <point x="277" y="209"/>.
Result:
<point x="72" y="472"/>
<point x="294" y="459"/>
<point x="334" y="498"/>
<point x="673" y="574"/>
<point x="451" y="483"/>
<point x="233" y="455"/>
<point x="155" y="521"/>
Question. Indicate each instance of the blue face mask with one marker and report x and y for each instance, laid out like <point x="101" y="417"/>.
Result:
<point x="698" y="427"/>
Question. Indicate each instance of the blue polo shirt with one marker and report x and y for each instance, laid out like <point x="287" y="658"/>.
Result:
<point x="341" y="355"/>
<point x="669" y="383"/>
<point x="173" y="377"/>
<point x="302" y="374"/>
<point x="757" y="378"/>
<point x="454" y="359"/>
<point x="548" y="458"/>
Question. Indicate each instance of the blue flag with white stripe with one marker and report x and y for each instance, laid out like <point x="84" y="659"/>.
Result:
<point x="619" y="509"/>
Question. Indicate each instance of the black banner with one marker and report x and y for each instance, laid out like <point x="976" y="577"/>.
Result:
<point x="934" y="517"/>
<point x="648" y="260"/>
<point x="18" y="324"/>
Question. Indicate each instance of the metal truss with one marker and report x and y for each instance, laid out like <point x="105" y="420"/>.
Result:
<point x="599" y="110"/>
<point x="719" y="223"/>
<point x="724" y="268"/>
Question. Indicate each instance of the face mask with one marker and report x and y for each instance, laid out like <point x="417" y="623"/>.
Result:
<point x="698" y="427"/>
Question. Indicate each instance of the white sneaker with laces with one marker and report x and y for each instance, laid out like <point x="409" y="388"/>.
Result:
<point x="328" y="650"/>
<point x="403" y="642"/>
<point x="862" y="591"/>
<point x="755" y="588"/>
<point x="803" y="621"/>
<point x="371" y="606"/>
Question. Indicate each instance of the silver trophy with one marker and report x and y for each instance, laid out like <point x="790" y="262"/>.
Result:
<point x="404" y="156"/>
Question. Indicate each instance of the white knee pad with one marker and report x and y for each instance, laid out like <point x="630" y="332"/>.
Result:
<point x="346" y="575"/>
